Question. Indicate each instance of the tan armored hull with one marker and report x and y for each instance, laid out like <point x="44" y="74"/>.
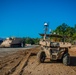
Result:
<point x="6" y="43"/>
<point x="61" y="44"/>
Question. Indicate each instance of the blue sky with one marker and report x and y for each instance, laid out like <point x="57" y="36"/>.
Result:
<point x="25" y="18"/>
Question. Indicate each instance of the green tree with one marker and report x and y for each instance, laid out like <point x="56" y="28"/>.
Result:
<point x="66" y="30"/>
<point x="61" y="29"/>
<point x="29" y="40"/>
<point x="70" y="31"/>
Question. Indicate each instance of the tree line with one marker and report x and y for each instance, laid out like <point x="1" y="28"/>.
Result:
<point x="63" y="29"/>
<point x="28" y="40"/>
<point x="66" y="30"/>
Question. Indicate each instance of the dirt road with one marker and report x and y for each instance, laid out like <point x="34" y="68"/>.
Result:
<point x="25" y="63"/>
<point x="7" y="51"/>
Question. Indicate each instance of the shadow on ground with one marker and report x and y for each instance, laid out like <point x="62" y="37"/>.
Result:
<point x="53" y="61"/>
<point x="73" y="61"/>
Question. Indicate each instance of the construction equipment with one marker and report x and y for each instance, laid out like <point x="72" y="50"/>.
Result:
<point x="53" y="49"/>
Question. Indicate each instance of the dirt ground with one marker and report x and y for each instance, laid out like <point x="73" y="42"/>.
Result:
<point x="25" y="63"/>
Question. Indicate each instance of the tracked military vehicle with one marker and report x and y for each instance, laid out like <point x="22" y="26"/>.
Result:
<point x="52" y="49"/>
<point x="12" y="42"/>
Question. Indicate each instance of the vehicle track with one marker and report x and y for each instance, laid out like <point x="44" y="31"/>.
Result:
<point x="8" y="60"/>
<point x="19" y="68"/>
<point x="9" y="63"/>
<point x="50" y="67"/>
<point x="47" y="68"/>
<point x="25" y="63"/>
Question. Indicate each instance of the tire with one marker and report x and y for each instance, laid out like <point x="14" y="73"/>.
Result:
<point x="66" y="59"/>
<point x="41" y="56"/>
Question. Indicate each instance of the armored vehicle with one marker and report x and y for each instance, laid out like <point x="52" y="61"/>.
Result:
<point x="12" y="42"/>
<point x="53" y="49"/>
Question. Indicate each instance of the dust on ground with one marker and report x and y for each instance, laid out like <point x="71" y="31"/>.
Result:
<point x="24" y="62"/>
